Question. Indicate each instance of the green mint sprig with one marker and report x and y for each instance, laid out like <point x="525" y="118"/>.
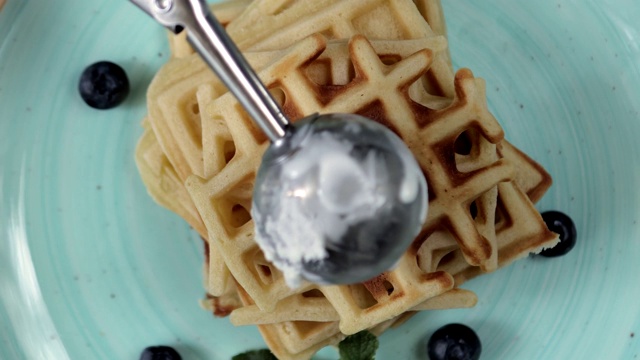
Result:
<point x="262" y="354"/>
<point x="359" y="346"/>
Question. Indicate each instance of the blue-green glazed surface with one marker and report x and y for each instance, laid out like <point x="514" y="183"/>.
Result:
<point x="92" y="268"/>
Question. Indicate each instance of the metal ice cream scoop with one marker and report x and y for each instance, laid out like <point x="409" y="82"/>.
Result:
<point x="338" y="198"/>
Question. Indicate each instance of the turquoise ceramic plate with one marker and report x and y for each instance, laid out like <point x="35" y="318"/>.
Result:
<point x="91" y="268"/>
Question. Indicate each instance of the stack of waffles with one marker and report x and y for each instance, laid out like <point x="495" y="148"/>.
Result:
<point x="387" y="60"/>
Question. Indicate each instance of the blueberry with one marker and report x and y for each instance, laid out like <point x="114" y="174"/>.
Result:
<point x="562" y="225"/>
<point x="103" y="85"/>
<point x="454" y="342"/>
<point x="160" y="352"/>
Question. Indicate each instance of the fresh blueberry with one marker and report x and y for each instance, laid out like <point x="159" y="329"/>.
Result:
<point x="454" y="342"/>
<point x="160" y="352"/>
<point x="562" y="225"/>
<point x="103" y="85"/>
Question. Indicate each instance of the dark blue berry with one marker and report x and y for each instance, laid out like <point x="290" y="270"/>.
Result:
<point x="103" y="85"/>
<point x="454" y="342"/>
<point x="562" y="225"/>
<point x="160" y="352"/>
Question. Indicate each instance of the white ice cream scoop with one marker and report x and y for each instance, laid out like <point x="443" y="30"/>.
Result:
<point x="338" y="198"/>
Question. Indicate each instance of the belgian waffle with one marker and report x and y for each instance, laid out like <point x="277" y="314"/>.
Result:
<point x="224" y="199"/>
<point x="397" y="72"/>
<point x="162" y="181"/>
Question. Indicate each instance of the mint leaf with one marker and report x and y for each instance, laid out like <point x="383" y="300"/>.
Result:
<point x="359" y="346"/>
<point x="263" y="354"/>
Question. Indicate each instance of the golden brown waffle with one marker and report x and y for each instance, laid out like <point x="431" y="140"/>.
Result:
<point x="301" y="339"/>
<point x="298" y="307"/>
<point x="312" y="306"/>
<point x="530" y="242"/>
<point x="223" y="197"/>
<point x="430" y="135"/>
<point x="174" y="98"/>
<point x="273" y="334"/>
<point x="162" y="182"/>
<point x="227" y="11"/>
<point x="165" y="187"/>
<point x="481" y="188"/>
<point x="174" y="101"/>
<point x="519" y="227"/>
<point x="179" y="140"/>
<point x="432" y="12"/>
<point x="166" y="184"/>
<point x="174" y="91"/>
<point x="183" y="86"/>
<point x="277" y="24"/>
<point x="183" y="102"/>
<point x="156" y="170"/>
